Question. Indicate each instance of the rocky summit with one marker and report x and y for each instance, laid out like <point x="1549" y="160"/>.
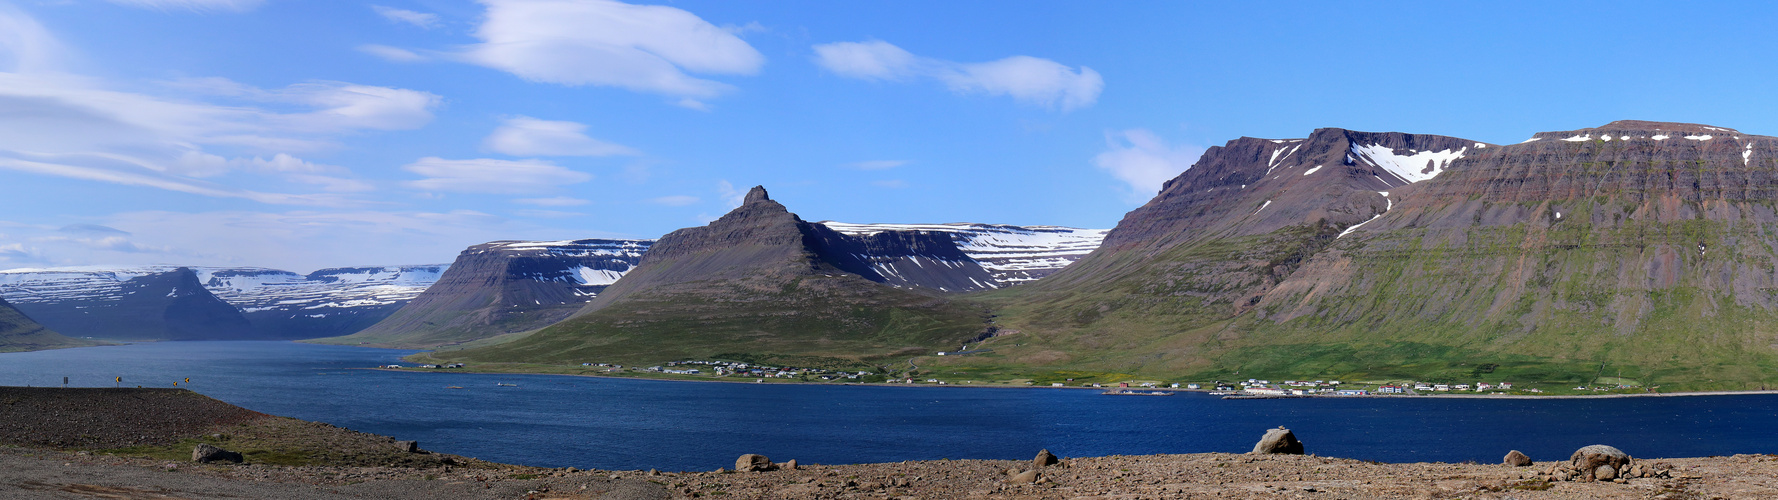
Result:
<point x="757" y="284"/>
<point x="1638" y="251"/>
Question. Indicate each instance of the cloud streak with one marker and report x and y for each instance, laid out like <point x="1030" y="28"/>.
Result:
<point x="644" y="48"/>
<point x="1032" y="80"/>
<point x="527" y="136"/>
<point x="1143" y="161"/>
<point x="484" y="175"/>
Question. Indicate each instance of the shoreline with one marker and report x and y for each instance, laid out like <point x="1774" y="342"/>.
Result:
<point x="1768" y="392"/>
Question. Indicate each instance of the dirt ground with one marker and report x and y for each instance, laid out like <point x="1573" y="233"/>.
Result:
<point x="33" y="473"/>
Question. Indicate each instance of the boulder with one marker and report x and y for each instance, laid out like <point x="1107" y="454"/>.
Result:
<point x="205" y="453"/>
<point x="1278" y="441"/>
<point x="1516" y="459"/>
<point x="790" y="464"/>
<point x="1026" y="477"/>
<point x="1605" y="473"/>
<point x="1044" y="459"/>
<point x="408" y="446"/>
<point x="754" y="463"/>
<point x="1589" y="459"/>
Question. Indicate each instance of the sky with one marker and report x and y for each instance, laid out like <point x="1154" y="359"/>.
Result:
<point x="301" y="135"/>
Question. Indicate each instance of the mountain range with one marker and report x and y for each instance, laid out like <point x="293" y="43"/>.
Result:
<point x="1635" y="254"/>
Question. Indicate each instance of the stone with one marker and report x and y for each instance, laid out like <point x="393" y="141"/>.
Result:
<point x="790" y="464"/>
<point x="205" y="453"/>
<point x="1604" y="473"/>
<point x="1044" y="459"/>
<point x="1516" y="459"/>
<point x="1278" y="441"/>
<point x="408" y="446"/>
<point x="1026" y="477"/>
<point x="1589" y="459"/>
<point x="754" y="463"/>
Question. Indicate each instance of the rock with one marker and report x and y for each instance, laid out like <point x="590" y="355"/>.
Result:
<point x="1044" y="459"/>
<point x="205" y="453"/>
<point x="1587" y="460"/>
<point x="1516" y="459"/>
<point x="1026" y="477"/>
<point x="408" y="446"/>
<point x="1604" y="473"/>
<point x="1278" y="441"/>
<point x="754" y="463"/>
<point x="790" y="464"/>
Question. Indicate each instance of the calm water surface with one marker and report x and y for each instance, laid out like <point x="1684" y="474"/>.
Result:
<point x="561" y="421"/>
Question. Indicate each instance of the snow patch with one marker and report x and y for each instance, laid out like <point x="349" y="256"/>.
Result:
<point x="1579" y="138"/>
<point x="1532" y="139"/>
<point x="1312" y="170"/>
<point x="1412" y="168"/>
<point x="1480" y="145"/>
<point x="1660" y="137"/>
<point x="1704" y="137"/>
<point x="1262" y="206"/>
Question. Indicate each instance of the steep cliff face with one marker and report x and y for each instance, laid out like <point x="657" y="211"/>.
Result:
<point x="170" y="305"/>
<point x="1639" y="250"/>
<point x="1011" y="255"/>
<point x="20" y="333"/>
<point x="758" y="282"/>
<point x="504" y="287"/>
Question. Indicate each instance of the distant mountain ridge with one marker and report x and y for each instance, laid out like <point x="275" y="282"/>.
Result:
<point x="21" y="333"/>
<point x="504" y="287"/>
<point x="167" y="305"/>
<point x="278" y="304"/>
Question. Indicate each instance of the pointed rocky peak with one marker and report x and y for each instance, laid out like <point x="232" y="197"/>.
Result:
<point x="758" y="193"/>
<point x="1631" y="130"/>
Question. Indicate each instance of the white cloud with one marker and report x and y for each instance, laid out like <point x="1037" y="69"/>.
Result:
<point x="25" y="46"/>
<point x="559" y="201"/>
<point x="193" y="5"/>
<point x="392" y="54"/>
<point x="483" y="175"/>
<point x="891" y="183"/>
<point x="675" y="200"/>
<point x="420" y="19"/>
<point x="547" y="214"/>
<point x="72" y="126"/>
<point x="1029" y="79"/>
<point x="1144" y="161"/>
<point x="646" y="48"/>
<point x="526" y="136"/>
<point x="877" y="164"/>
<point x="729" y="194"/>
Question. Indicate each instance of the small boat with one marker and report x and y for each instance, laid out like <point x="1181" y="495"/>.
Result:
<point x="503" y="384"/>
<point x="455" y="387"/>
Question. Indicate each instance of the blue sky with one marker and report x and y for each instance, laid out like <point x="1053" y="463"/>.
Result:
<point x="301" y="134"/>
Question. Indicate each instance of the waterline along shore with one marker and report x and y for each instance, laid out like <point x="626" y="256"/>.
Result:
<point x="286" y="458"/>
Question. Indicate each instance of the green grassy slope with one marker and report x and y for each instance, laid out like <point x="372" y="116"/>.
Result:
<point x="19" y="333"/>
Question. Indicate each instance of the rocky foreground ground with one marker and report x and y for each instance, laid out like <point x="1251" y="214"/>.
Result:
<point x="44" y="454"/>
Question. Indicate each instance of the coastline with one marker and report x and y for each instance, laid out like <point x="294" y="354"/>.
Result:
<point x="1768" y="392"/>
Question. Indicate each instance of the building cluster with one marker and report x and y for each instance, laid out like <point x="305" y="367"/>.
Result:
<point x="1433" y="387"/>
<point x="734" y="368"/>
<point x="1295" y="388"/>
<point x="452" y="365"/>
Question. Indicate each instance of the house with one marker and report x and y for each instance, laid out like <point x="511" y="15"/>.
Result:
<point x="1483" y="386"/>
<point x="1441" y="387"/>
<point x="1391" y="389"/>
<point x="1057" y="384"/>
<point x="1506" y="386"/>
<point x="1351" y="392"/>
<point x="1189" y="386"/>
<point x="1265" y="391"/>
<point x="1422" y="387"/>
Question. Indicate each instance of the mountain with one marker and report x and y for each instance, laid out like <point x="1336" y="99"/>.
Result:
<point x="279" y="304"/>
<point x="1011" y="255"/>
<point x="164" y="305"/>
<point x="20" y="333"/>
<point x="324" y="303"/>
<point x="1636" y="253"/>
<point x="504" y="287"/>
<point x="760" y="283"/>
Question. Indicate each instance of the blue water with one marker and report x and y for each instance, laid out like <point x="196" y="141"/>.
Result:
<point x="561" y="421"/>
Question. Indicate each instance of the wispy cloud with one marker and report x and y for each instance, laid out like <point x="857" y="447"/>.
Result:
<point x="484" y="175"/>
<point x="1029" y="79"/>
<point x="559" y="201"/>
<point x="890" y="183"/>
<point x="394" y="54"/>
<point x="646" y="48"/>
<point x="1144" y="161"/>
<point x="527" y="136"/>
<point x="419" y="19"/>
<point x="675" y="200"/>
<point x="189" y="135"/>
